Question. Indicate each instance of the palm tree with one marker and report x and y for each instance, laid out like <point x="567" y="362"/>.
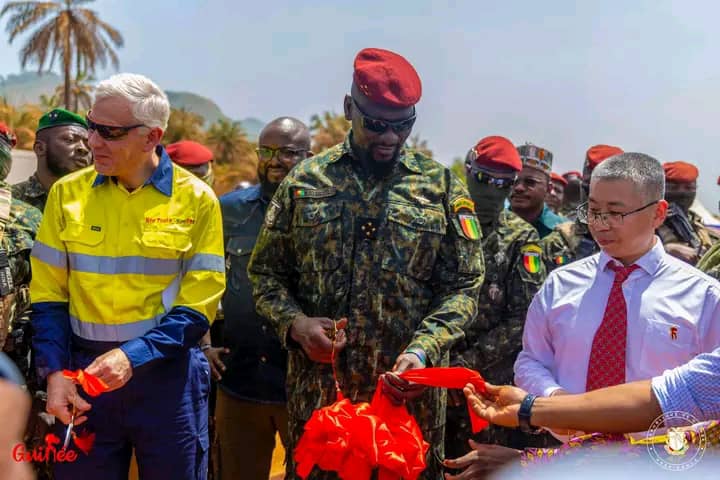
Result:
<point x="49" y="102"/>
<point x="328" y="130"/>
<point x="420" y="145"/>
<point x="229" y="142"/>
<point x="81" y="90"/>
<point x="184" y="125"/>
<point x="73" y="34"/>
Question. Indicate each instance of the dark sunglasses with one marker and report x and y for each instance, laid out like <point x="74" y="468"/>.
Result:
<point x="376" y="125"/>
<point x="487" y="179"/>
<point x="109" y="132"/>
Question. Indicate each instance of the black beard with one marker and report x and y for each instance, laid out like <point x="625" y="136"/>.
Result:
<point x="268" y="189"/>
<point x="372" y="166"/>
<point x="54" y="166"/>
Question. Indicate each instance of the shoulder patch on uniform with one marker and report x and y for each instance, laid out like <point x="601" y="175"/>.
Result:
<point x="531" y="257"/>
<point x="462" y="203"/>
<point x="561" y="260"/>
<point x="300" y="192"/>
<point x="272" y="213"/>
<point x="469" y="226"/>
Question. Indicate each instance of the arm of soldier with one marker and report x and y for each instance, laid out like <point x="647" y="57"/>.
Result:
<point x="456" y="280"/>
<point x="522" y="283"/>
<point x="554" y="250"/>
<point x="271" y="267"/>
<point x="533" y="368"/>
<point x="201" y="287"/>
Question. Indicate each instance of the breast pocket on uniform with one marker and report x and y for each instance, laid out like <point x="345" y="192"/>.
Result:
<point x="165" y="244"/>
<point x="413" y="239"/>
<point x="238" y="250"/>
<point x="318" y="235"/>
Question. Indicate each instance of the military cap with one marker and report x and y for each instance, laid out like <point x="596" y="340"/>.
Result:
<point x="495" y="153"/>
<point x="60" y="117"/>
<point x="558" y="178"/>
<point x="536" y="157"/>
<point x="386" y="78"/>
<point x="680" y="172"/>
<point x="188" y="153"/>
<point x="572" y="173"/>
<point x="7" y="136"/>
<point x="598" y="153"/>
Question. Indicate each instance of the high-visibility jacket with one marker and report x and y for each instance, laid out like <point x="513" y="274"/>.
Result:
<point x="144" y="267"/>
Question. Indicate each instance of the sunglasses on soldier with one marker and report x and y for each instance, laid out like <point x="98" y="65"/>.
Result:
<point x="376" y="125"/>
<point x="487" y="179"/>
<point x="109" y="132"/>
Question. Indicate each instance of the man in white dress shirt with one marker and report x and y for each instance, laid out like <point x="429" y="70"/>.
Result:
<point x="627" y="313"/>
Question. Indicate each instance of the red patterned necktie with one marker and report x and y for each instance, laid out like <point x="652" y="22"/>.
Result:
<point x="607" y="357"/>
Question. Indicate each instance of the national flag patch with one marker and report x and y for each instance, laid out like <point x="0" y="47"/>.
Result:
<point x="469" y="226"/>
<point x="300" y="192"/>
<point x="532" y="258"/>
<point x="561" y="260"/>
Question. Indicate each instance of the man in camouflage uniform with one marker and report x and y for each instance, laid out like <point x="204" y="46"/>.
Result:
<point x="572" y="241"/>
<point x="527" y="198"/>
<point x="61" y="147"/>
<point x="683" y="233"/>
<point x="380" y="238"/>
<point x="19" y="223"/>
<point x="573" y="194"/>
<point x="513" y="273"/>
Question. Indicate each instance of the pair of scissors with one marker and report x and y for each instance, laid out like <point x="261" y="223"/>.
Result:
<point x="68" y="433"/>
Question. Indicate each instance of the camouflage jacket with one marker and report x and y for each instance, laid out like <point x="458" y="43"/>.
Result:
<point x="31" y="191"/>
<point x="710" y="262"/>
<point x="394" y="255"/>
<point x="703" y="238"/>
<point x="17" y="241"/>
<point x="514" y="271"/>
<point x="568" y="242"/>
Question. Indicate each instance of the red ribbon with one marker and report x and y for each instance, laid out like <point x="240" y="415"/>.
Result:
<point x="352" y="440"/>
<point x="92" y="385"/>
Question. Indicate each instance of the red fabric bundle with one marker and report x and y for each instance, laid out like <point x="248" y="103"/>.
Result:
<point x="352" y="440"/>
<point x="92" y="385"/>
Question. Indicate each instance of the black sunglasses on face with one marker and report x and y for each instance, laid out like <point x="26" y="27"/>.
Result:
<point x="487" y="179"/>
<point x="109" y="132"/>
<point x="376" y="125"/>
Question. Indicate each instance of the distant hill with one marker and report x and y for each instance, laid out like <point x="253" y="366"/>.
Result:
<point x="27" y="87"/>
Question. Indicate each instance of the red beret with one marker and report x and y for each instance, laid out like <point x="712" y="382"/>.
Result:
<point x="495" y="152"/>
<point x="681" y="172"/>
<point x="595" y="155"/>
<point x="189" y="153"/>
<point x="557" y="178"/>
<point x="386" y="78"/>
<point x="5" y="132"/>
<point x="572" y="173"/>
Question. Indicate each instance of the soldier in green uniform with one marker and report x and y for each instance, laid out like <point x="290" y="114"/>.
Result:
<point x="527" y="198"/>
<point x="683" y="233"/>
<point x="513" y="273"/>
<point x="381" y="239"/>
<point x="61" y="147"/>
<point x="573" y="194"/>
<point x="19" y="223"/>
<point x="572" y="241"/>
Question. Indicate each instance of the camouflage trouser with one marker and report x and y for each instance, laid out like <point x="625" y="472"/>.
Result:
<point x="37" y="428"/>
<point x="434" y="470"/>
<point x="458" y="432"/>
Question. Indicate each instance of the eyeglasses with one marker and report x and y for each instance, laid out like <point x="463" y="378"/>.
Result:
<point x="283" y="153"/>
<point x="527" y="182"/>
<point x="110" y="132"/>
<point x="487" y="179"/>
<point x="376" y="125"/>
<point x="608" y="219"/>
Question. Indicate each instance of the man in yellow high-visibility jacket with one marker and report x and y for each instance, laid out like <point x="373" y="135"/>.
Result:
<point x="128" y="270"/>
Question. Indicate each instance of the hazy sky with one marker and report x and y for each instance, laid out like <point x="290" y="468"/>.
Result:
<point x="565" y="75"/>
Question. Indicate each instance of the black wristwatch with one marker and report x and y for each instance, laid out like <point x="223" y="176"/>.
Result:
<point x="524" y="414"/>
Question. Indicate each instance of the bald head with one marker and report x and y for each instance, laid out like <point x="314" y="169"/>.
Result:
<point x="281" y="145"/>
<point x="290" y="131"/>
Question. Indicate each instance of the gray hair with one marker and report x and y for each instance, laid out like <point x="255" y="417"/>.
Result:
<point x="645" y="172"/>
<point x="150" y="105"/>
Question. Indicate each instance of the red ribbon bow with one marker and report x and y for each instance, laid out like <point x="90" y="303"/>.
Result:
<point x="352" y="440"/>
<point x="92" y="385"/>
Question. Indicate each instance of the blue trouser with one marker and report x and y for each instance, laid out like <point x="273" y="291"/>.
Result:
<point x="162" y="412"/>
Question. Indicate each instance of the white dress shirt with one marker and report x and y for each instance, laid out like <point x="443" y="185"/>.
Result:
<point x="673" y="314"/>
